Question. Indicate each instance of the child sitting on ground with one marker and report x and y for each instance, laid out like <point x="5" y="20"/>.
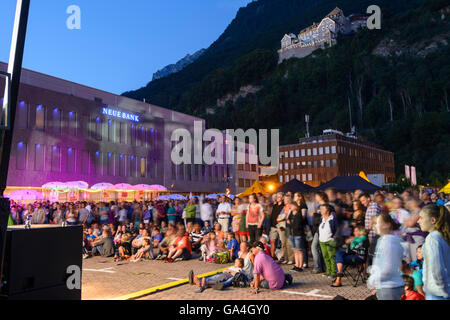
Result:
<point x="145" y="252"/>
<point x="209" y="247"/>
<point x="409" y="293"/>
<point x="219" y="281"/>
<point x="232" y="245"/>
<point x="124" y="248"/>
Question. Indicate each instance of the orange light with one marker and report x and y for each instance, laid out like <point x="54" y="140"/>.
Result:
<point x="271" y="187"/>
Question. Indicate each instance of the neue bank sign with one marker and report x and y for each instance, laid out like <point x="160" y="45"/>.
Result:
<point x="120" y="114"/>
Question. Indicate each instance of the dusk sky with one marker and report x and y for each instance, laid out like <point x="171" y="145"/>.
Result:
<point x="121" y="43"/>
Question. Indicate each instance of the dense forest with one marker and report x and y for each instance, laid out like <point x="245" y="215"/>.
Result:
<point x="392" y="84"/>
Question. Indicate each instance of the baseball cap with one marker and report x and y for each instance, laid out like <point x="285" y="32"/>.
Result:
<point x="258" y="244"/>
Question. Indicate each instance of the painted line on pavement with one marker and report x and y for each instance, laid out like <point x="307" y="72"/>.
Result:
<point x="106" y="270"/>
<point x="175" y="279"/>
<point x="163" y="287"/>
<point x="312" y="293"/>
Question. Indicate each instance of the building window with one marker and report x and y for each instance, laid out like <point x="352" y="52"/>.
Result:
<point x="39" y="157"/>
<point x="85" y="125"/>
<point x="21" y="156"/>
<point x="320" y="150"/>
<point x="22" y="115"/>
<point x="292" y="166"/>
<point x="123" y="133"/>
<point x="297" y="153"/>
<point x="143" y="167"/>
<point x="110" y="162"/>
<point x="241" y="183"/>
<point x="303" y="152"/>
<point x="121" y="165"/>
<point x="132" y="166"/>
<point x="73" y="124"/>
<point x="85" y="160"/>
<point x="310" y="177"/>
<point x="333" y="163"/>
<point x="98" y="163"/>
<point x="70" y="160"/>
<point x="56" y="121"/>
<point x="327" y="163"/>
<point x="98" y="129"/>
<point x="133" y="135"/>
<point x="309" y="152"/>
<point x="315" y="152"/>
<point x="304" y="177"/>
<point x="55" y="160"/>
<point x="110" y="131"/>
<point x="333" y="149"/>
<point x="286" y="178"/>
<point x="327" y="150"/>
<point x="298" y="177"/>
<point x="286" y="166"/>
<point x="281" y="179"/>
<point x="40" y="118"/>
<point x="315" y="164"/>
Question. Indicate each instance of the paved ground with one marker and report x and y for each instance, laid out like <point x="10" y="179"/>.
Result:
<point x="111" y="280"/>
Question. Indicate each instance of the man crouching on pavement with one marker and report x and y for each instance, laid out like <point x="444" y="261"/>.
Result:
<point x="267" y="273"/>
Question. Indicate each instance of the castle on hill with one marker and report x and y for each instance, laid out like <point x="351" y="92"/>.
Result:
<point x="320" y="35"/>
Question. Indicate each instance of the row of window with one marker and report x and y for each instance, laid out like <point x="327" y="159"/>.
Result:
<point x="308" y="152"/>
<point x="353" y="152"/>
<point x="309" y="164"/>
<point x="201" y="172"/>
<point x="308" y="177"/>
<point x="247" y="167"/>
<point x="246" y="183"/>
<point x="97" y="128"/>
<point x="70" y="160"/>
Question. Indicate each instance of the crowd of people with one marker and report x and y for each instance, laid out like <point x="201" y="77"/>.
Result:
<point x="401" y="240"/>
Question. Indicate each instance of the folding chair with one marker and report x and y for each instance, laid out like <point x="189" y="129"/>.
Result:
<point x="358" y="266"/>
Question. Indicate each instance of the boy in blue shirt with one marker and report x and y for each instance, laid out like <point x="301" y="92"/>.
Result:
<point x="232" y="245"/>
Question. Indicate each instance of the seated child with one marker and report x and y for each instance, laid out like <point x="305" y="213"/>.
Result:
<point x="145" y="252"/>
<point x="91" y="237"/>
<point x="207" y="228"/>
<point x="232" y="245"/>
<point x="218" y="281"/>
<point x="409" y="293"/>
<point x="157" y="237"/>
<point x="209" y="246"/>
<point x="124" y="248"/>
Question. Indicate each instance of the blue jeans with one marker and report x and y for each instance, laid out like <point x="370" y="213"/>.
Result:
<point x="317" y="254"/>
<point x="431" y="297"/>
<point x="225" y="278"/>
<point x="390" y="293"/>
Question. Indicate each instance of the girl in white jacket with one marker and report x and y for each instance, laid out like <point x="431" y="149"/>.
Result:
<point x="436" y="252"/>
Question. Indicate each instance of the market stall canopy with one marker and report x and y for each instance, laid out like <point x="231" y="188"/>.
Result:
<point x="157" y="187"/>
<point x="295" y="186"/>
<point x="55" y="185"/>
<point x="177" y="197"/>
<point x="163" y="197"/>
<point x="103" y="186"/>
<point x="445" y="189"/>
<point x="143" y="187"/>
<point x="25" y="195"/>
<point x="77" y="185"/>
<point x="351" y="183"/>
<point x="255" y="188"/>
<point x="214" y="195"/>
<point x="124" y="186"/>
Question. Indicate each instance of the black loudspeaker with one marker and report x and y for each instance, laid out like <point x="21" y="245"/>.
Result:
<point x="39" y="262"/>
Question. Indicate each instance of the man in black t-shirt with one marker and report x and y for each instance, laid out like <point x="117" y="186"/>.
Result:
<point x="277" y="207"/>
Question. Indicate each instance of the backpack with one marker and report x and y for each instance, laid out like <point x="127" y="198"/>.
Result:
<point x="239" y="280"/>
<point x="222" y="257"/>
